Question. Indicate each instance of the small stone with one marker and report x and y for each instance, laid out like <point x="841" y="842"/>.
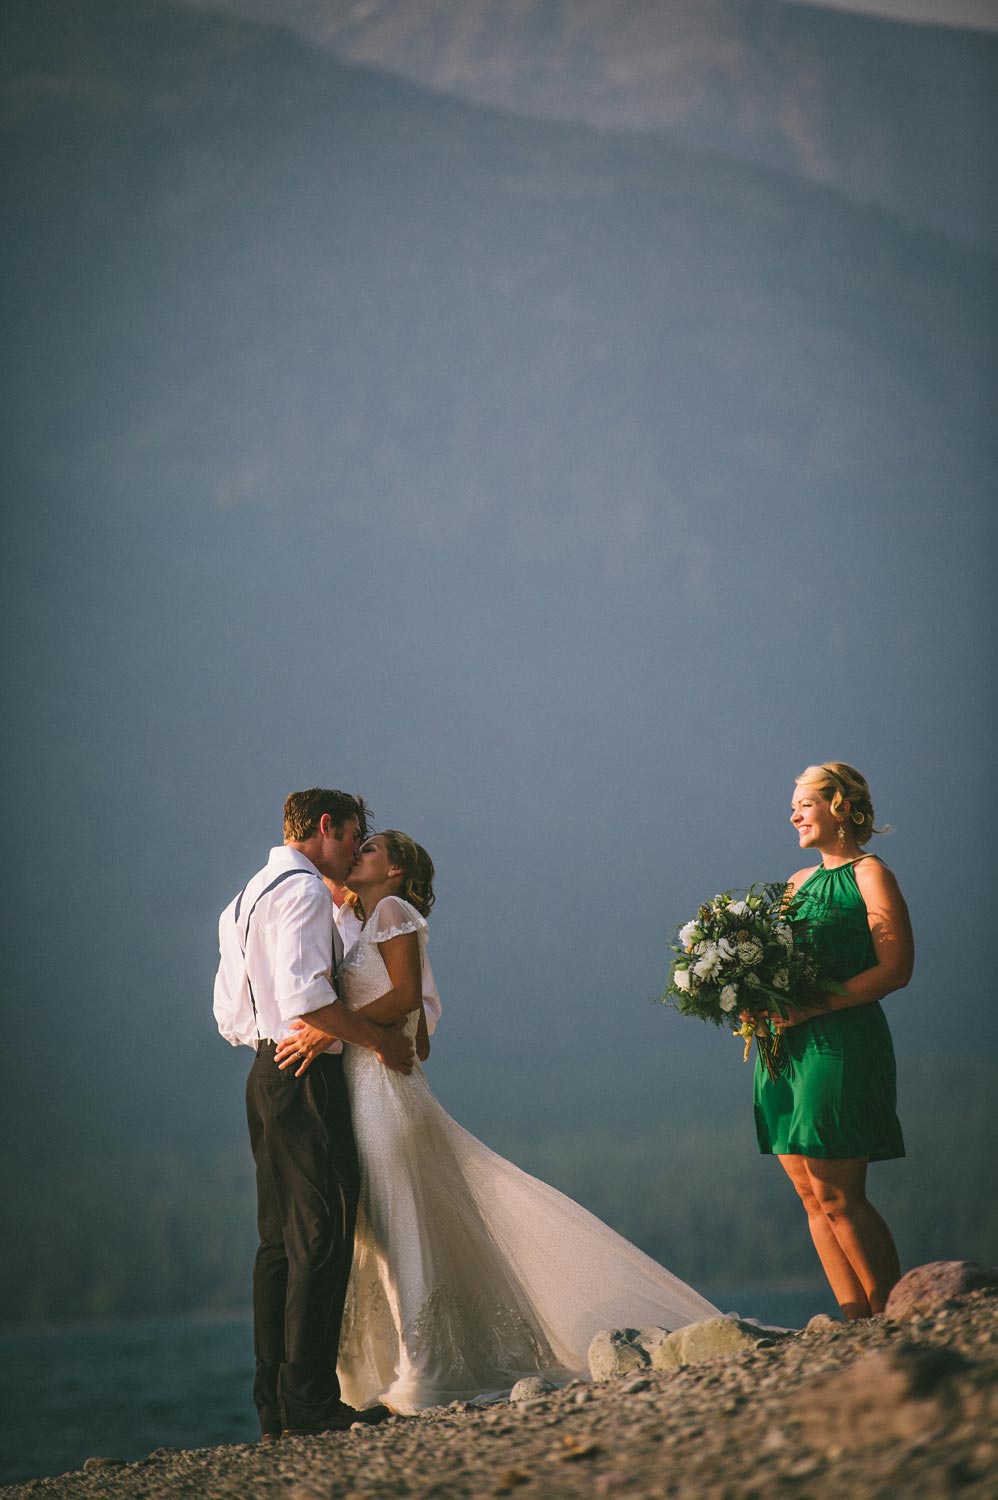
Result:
<point x="508" y="1479"/>
<point x="103" y="1463"/>
<point x="530" y="1388"/>
<point x="583" y="1397"/>
<point x="820" y="1323"/>
<point x="616" y="1351"/>
<point x="634" y="1386"/>
<point x="804" y="1467"/>
<point x="617" y="1482"/>
<point x="662" y="1347"/>
<point x="572" y="1448"/>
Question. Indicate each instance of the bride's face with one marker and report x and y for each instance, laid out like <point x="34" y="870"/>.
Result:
<point x="373" y="864"/>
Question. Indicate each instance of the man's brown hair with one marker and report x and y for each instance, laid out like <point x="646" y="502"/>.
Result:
<point x="303" y="811"/>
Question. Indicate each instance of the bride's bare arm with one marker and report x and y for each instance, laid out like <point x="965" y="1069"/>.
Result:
<point x="401" y="959"/>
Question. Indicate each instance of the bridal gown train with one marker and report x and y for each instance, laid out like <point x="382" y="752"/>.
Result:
<point x="468" y="1273"/>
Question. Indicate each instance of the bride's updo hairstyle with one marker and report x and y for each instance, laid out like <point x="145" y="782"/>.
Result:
<point x="839" y="783"/>
<point x="416" y="866"/>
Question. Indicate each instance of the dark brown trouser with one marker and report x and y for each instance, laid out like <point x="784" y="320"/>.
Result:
<point x="307" y="1183"/>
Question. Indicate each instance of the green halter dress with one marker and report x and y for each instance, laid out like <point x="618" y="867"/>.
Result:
<point x="835" y="1095"/>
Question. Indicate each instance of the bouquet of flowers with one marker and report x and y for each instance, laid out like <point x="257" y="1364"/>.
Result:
<point x="745" y="954"/>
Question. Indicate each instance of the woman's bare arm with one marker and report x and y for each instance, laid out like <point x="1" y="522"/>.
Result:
<point x="401" y="959"/>
<point x="890" y="929"/>
<point x="893" y="945"/>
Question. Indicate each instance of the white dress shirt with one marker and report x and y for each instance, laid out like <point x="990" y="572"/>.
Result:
<point x="349" y="924"/>
<point x="277" y="951"/>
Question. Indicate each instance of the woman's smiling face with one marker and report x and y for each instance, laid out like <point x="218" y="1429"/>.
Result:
<point x="813" y="819"/>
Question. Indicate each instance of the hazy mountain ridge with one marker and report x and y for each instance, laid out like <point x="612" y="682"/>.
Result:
<point x="899" y="115"/>
<point x="625" y="269"/>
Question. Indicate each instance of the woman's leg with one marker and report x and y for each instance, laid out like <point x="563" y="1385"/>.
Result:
<point x="861" y="1234"/>
<point x="846" y="1286"/>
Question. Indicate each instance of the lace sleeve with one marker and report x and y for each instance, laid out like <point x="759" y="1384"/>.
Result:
<point x="391" y="918"/>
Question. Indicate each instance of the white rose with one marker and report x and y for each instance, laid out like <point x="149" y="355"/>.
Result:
<point x="681" y="979"/>
<point x="729" y="997"/>
<point x="687" y="933"/>
<point x="784" y="935"/>
<point x="726" y="950"/>
<point x="708" y="963"/>
<point x="738" y="907"/>
<point x="781" y="980"/>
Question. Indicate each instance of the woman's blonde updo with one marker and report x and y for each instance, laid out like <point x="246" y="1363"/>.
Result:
<point x="839" y="783"/>
<point x="416" y="866"/>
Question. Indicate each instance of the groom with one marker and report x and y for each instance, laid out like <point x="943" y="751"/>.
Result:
<point x="279" y="949"/>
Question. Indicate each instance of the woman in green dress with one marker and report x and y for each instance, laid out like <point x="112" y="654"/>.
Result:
<point x="832" y="1107"/>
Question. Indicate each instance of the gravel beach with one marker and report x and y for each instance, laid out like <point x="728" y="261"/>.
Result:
<point x="889" y="1408"/>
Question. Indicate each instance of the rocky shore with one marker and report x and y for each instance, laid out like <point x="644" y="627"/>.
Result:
<point x="905" y="1405"/>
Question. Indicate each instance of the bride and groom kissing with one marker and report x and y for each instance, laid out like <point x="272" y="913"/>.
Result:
<point x="401" y="1264"/>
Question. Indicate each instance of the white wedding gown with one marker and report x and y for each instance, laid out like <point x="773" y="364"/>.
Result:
<point x="467" y="1273"/>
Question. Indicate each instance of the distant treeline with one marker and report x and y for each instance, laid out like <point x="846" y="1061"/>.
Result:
<point x="132" y="1232"/>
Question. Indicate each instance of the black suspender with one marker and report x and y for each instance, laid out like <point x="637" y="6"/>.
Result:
<point x="244" y="939"/>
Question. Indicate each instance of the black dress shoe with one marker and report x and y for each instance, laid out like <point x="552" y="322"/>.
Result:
<point x="372" y="1415"/>
<point x="340" y="1419"/>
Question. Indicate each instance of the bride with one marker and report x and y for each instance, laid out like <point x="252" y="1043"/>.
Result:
<point x="468" y="1274"/>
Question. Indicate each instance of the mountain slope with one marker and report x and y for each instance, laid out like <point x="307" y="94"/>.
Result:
<point x="903" y="116"/>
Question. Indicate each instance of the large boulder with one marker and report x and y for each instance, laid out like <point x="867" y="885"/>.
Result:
<point x="622" y="1351"/>
<point x="929" y="1288"/>
<point x="907" y="1393"/>
<point x="699" y="1343"/>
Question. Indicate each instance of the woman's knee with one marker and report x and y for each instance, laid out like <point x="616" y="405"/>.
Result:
<point x="836" y="1200"/>
<point x="805" y="1192"/>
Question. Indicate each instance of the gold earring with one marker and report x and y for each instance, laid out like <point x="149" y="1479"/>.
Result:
<point x="842" y="833"/>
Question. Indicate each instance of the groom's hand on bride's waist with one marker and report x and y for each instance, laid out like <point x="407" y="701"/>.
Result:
<point x="394" y="1048"/>
<point x="305" y="1042"/>
<point x="302" y="1045"/>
